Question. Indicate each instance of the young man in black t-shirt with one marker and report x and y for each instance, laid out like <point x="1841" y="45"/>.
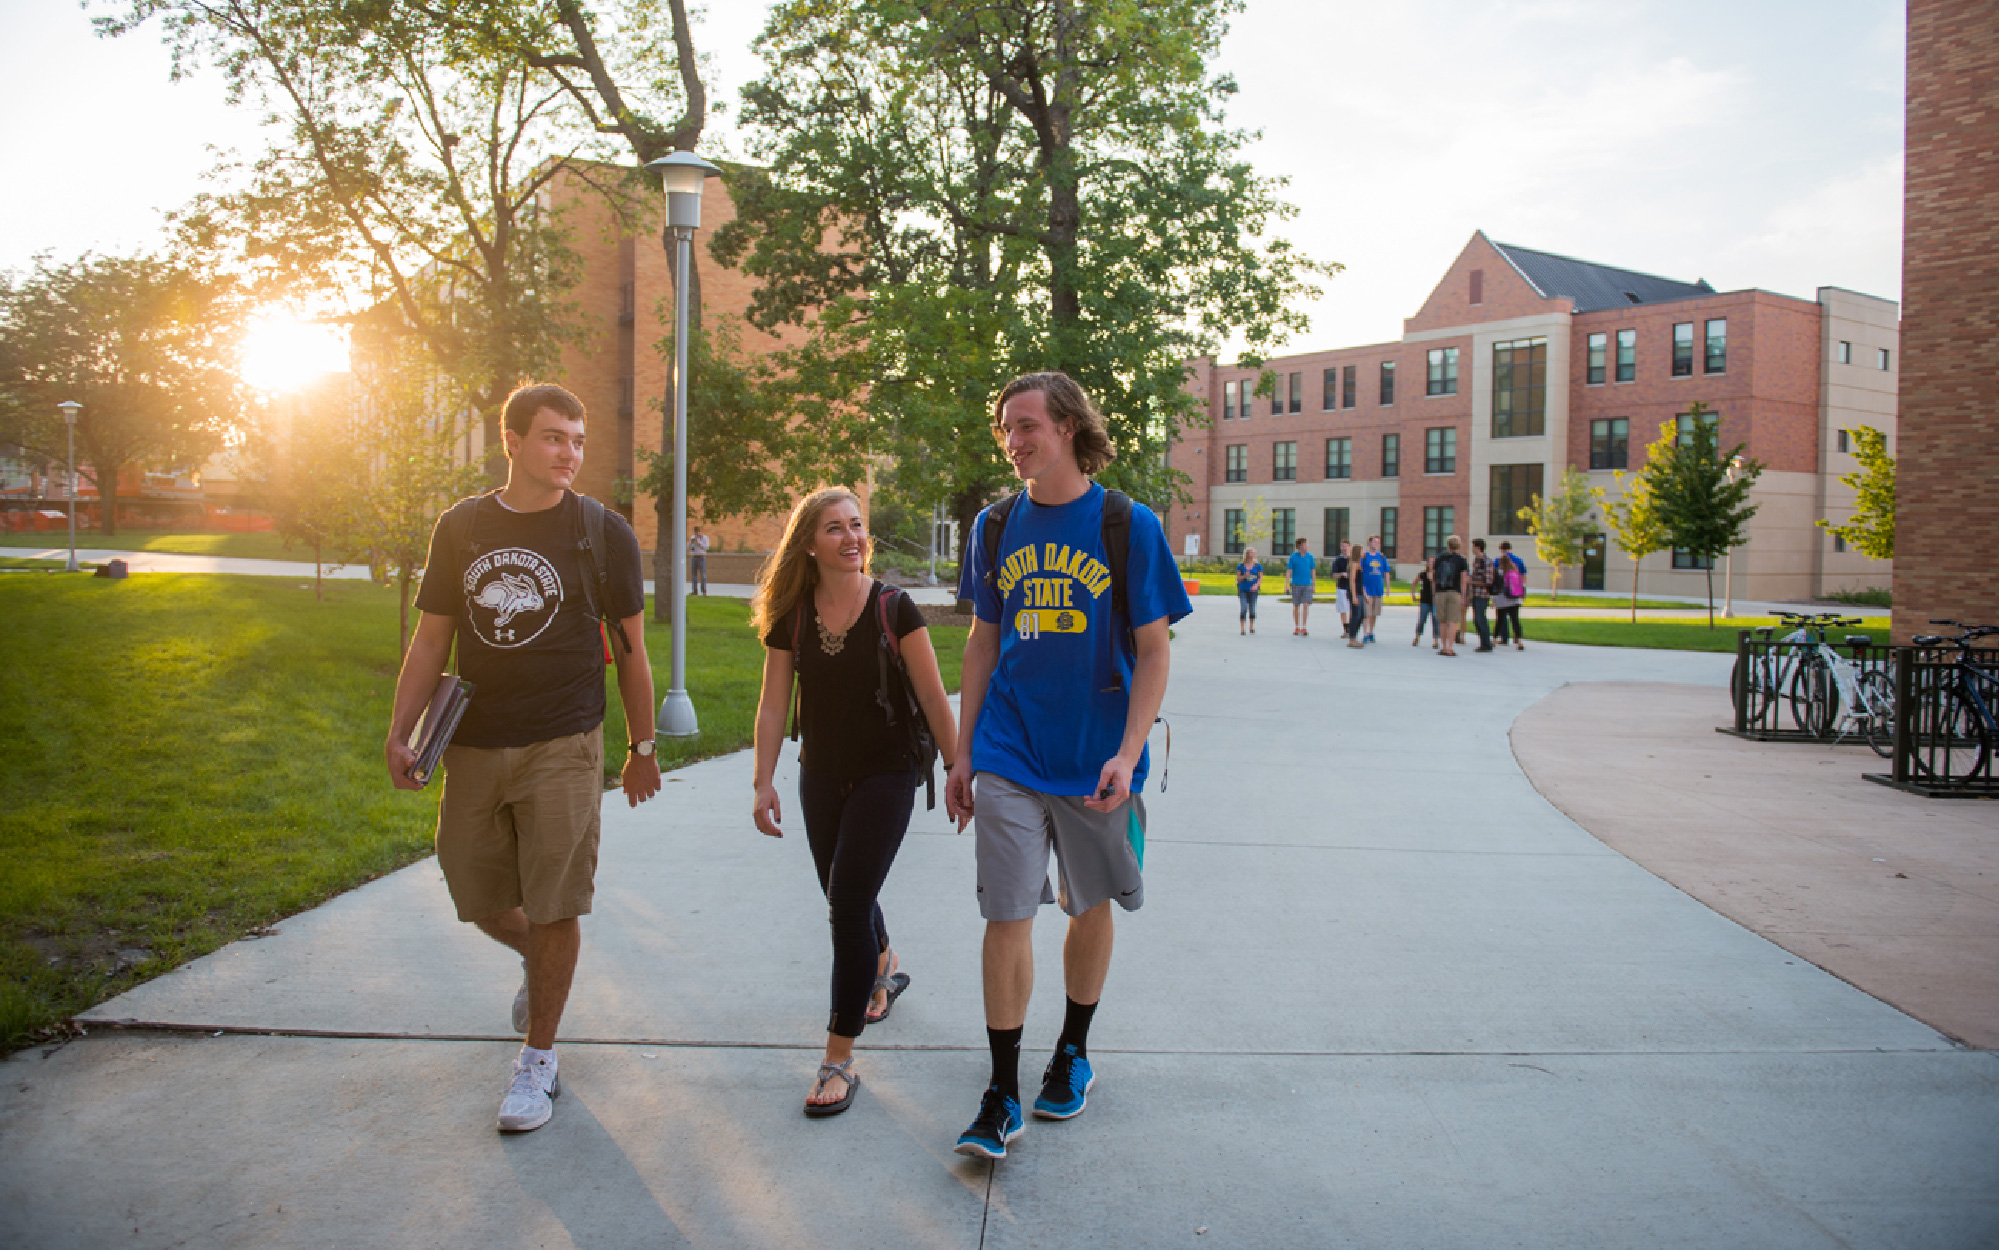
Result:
<point x="524" y="777"/>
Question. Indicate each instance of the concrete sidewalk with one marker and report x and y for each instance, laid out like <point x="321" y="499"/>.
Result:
<point x="1382" y="994"/>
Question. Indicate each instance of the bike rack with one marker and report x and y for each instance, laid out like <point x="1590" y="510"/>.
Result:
<point x="1773" y="722"/>
<point x="1935" y="755"/>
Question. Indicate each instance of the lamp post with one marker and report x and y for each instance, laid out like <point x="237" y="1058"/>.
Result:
<point x="681" y="176"/>
<point x="1729" y="557"/>
<point x="69" y="410"/>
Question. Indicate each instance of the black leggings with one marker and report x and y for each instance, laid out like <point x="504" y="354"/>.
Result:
<point x="855" y="829"/>
<point x="1502" y="618"/>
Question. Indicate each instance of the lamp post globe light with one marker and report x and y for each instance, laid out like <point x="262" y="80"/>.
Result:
<point x="681" y="176"/>
<point x="69" y="410"/>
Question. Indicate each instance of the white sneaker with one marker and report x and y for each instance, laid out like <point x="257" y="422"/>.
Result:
<point x="527" y="1104"/>
<point x="521" y="1001"/>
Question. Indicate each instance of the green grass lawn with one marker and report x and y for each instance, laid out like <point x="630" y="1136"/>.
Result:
<point x="1664" y="635"/>
<point x="265" y="546"/>
<point x="194" y="757"/>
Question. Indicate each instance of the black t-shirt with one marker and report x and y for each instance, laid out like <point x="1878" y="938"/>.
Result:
<point x="1450" y="572"/>
<point x="1339" y="568"/>
<point x="844" y="730"/>
<point x="526" y="638"/>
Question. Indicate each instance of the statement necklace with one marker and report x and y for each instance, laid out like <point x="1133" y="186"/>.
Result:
<point x="830" y="642"/>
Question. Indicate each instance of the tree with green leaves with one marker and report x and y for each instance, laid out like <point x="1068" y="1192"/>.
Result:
<point x="959" y="192"/>
<point x="1561" y="524"/>
<point x="309" y="451"/>
<point x="1700" y="492"/>
<point x="1872" y="529"/>
<point x="1634" y="521"/>
<point x="147" y="346"/>
<point x="404" y="183"/>
<point x="742" y="437"/>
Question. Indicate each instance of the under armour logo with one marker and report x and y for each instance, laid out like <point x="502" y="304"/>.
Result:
<point x="503" y="635"/>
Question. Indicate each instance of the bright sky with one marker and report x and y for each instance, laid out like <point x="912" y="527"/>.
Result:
<point x="1752" y="144"/>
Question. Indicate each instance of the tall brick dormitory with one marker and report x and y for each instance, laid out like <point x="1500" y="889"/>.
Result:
<point x="1949" y="461"/>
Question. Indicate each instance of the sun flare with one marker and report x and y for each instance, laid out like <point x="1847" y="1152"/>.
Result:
<point x="282" y="353"/>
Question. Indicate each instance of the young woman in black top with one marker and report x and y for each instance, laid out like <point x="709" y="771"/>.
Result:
<point x="857" y="781"/>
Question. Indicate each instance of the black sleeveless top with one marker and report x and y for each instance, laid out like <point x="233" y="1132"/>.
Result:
<point x="844" y="730"/>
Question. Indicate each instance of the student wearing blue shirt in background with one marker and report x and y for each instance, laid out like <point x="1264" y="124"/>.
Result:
<point x="1375" y="572"/>
<point x="1059" y="691"/>
<point x="1299" y="581"/>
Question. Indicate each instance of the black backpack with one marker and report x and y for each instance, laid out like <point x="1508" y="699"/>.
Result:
<point x="1114" y="531"/>
<point x="898" y="699"/>
<point x="461" y="537"/>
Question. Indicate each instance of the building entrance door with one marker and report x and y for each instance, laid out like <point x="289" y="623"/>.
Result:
<point x="1593" y="562"/>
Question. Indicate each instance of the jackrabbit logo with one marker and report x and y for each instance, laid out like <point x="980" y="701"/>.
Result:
<point x="512" y="594"/>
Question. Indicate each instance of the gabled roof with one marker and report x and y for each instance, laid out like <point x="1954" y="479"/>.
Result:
<point x="1592" y="286"/>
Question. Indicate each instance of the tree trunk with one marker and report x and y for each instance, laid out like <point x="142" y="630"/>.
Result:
<point x="318" y="594"/>
<point x="107" y="497"/>
<point x="1711" y="591"/>
<point x="1635" y="591"/>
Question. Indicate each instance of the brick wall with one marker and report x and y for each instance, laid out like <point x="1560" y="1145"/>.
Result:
<point x="1946" y="429"/>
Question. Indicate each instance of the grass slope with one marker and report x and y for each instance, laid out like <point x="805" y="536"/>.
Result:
<point x="1666" y="635"/>
<point x="190" y="758"/>
<point x="259" y="546"/>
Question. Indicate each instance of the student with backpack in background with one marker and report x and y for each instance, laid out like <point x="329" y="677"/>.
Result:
<point x="524" y="580"/>
<point x="1511" y="576"/>
<point x="1426" y="606"/>
<point x="871" y="707"/>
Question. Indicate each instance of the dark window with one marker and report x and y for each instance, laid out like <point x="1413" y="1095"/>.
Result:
<point x="1236" y="463"/>
<point x="1284" y="462"/>
<point x="1608" y="441"/>
<point x="1684" y="427"/>
<point x="1594" y="370"/>
<point x="1243" y="403"/>
<point x="1441" y="373"/>
<point x="1843" y="352"/>
<point x="1882" y="359"/>
<point x="1839" y="543"/>
<point x="1520" y="387"/>
<point x="1335" y="533"/>
<point x="1330" y="389"/>
<point x="1392" y="455"/>
<point x="1388" y="383"/>
<point x="1478" y="292"/>
<point x="1628" y="355"/>
<point x="1298" y="393"/>
<point x="1840" y="441"/>
<point x="1389" y="532"/>
<point x="1277" y="396"/>
<point x="1232" y="532"/>
<point x="1511" y="487"/>
<point x="1347" y="387"/>
<point x="1438" y="523"/>
<point x="1229" y="401"/>
<point x="1684" y="349"/>
<point x="1715" y="357"/>
<point x="1441" y="450"/>
<point x="1284" y="529"/>
<point x="1689" y="560"/>
<point x="1339" y="457"/>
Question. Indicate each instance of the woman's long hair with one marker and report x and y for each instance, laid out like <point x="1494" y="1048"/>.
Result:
<point x="791" y="572"/>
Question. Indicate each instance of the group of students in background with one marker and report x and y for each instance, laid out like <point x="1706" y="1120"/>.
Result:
<point x="1446" y="585"/>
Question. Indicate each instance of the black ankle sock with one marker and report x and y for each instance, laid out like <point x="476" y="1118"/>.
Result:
<point x="1006" y="1047"/>
<point x="1076" y="1025"/>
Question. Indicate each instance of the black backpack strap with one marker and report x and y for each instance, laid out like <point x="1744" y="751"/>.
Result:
<point x="798" y="678"/>
<point x="990" y="532"/>
<point x="889" y="655"/>
<point x="597" y="579"/>
<point x="1115" y="532"/>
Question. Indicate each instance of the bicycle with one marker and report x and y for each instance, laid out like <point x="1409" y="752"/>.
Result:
<point x="1805" y="679"/>
<point x="1968" y="712"/>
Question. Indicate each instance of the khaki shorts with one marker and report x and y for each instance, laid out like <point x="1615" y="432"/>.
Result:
<point x="1450" y="607"/>
<point x="517" y="827"/>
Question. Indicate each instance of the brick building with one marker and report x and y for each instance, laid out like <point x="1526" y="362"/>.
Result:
<point x="1946" y="496"/>
<point x="1523" y="362"/>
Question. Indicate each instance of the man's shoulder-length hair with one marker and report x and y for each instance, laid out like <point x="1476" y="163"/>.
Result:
<point x="1070" y="408"/>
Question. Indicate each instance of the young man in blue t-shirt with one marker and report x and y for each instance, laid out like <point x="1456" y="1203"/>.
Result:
<point x="1375" y="572"/>
<point x="1058" y="693"/>
<point x="1299" y="581"/>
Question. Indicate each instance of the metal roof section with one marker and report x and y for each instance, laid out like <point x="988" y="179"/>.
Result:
<point x="1591" y="286"/>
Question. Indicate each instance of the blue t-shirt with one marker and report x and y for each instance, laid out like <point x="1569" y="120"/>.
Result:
<point x="1374" y="573"/>
<point x="1055" y="708"/>
<point x="1299" y="568"/>
<point x="1254" y="573"/>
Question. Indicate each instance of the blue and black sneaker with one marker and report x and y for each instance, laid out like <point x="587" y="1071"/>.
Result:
<point x="998" y="1122"/>
<point x="1065" y="1085"/>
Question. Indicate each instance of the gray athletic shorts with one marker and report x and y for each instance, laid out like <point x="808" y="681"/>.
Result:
<point x="1300" y="594"/>
<point x="1097" y="853"/>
